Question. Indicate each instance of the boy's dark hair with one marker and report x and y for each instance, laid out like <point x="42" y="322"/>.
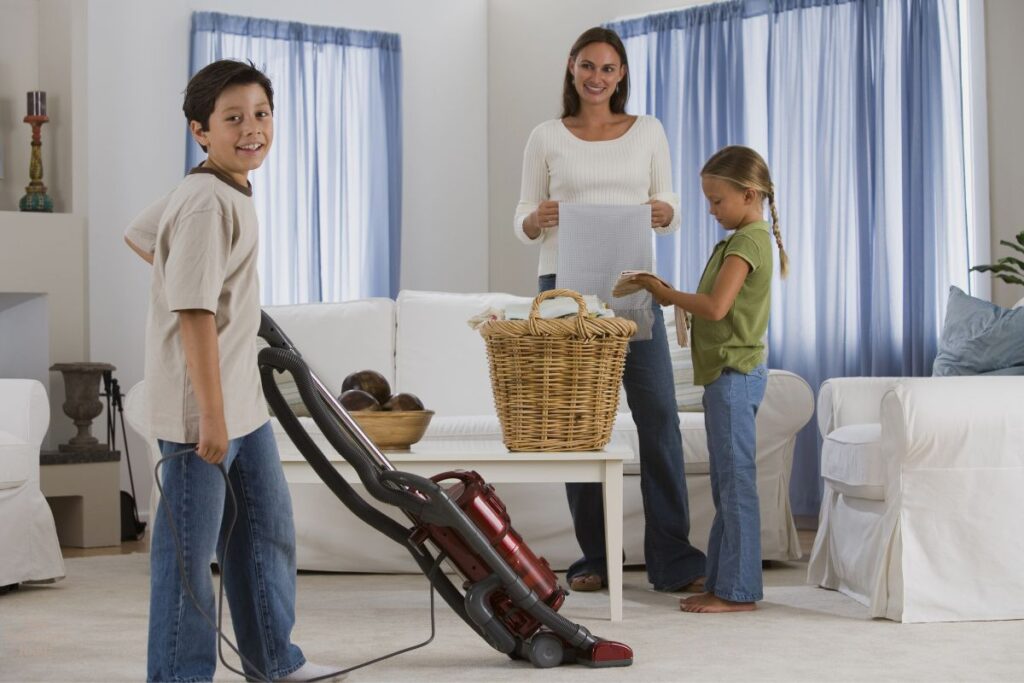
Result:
<point x="209" y="82"/>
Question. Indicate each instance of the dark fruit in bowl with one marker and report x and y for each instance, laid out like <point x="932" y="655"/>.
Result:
<point x="369" y="381"/>
<point x="357" y="399"/>
<point x="403" y="402"/>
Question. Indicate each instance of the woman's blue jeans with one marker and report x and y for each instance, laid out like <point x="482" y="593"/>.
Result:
<point x="257" y="566"/>
<point x="672" y="562"/>
<point x="734" y="545"/>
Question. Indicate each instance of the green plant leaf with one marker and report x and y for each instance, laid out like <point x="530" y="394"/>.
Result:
<point x="1010" y="279"/>
<point x="1001" y="268"/>
<point x="1014" y="246"/>
<point x="1012" y="260"/>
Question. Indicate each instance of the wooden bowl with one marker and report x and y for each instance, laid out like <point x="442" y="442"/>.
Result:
<point x="393" y="430"/>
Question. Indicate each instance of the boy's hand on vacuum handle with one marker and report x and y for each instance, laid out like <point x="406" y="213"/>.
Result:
<point x="213" y="439"/>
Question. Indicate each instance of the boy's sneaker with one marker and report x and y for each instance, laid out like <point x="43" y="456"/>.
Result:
<point x="310" y="671"/>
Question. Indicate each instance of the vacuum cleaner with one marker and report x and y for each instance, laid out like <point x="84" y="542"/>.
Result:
<point x="509" y="596"/>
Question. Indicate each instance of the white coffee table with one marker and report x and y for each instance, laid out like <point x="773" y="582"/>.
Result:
<point x="497" y="465"/>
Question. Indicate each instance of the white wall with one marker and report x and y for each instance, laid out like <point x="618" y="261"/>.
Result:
<point x="137" y="70"/>
<point x="1004" y="21"/>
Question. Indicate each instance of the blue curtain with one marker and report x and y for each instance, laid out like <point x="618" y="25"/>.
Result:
<point x="329" y="195"/>
<point x="856" y="106"/>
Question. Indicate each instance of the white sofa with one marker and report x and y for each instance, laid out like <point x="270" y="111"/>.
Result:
<point x="920" y="518"/>
<point x="422" y="344"/>
<point x="29" y="550"/>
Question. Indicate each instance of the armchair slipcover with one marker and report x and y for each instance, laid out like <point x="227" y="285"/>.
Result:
<point x="29" y="550"/>
<point x="923" y="496"/>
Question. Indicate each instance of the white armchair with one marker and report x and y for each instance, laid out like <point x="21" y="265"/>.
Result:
<point x="29" y="550"/>
<point x="923" y="496"/>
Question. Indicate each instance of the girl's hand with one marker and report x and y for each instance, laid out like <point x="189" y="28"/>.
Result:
<point x="547" y="214"/>
<point x="213" y="439"/>
<point x="661" y="213"/>
<point x="659" y="291"/>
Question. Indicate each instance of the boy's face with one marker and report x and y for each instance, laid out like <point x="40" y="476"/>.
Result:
<point x="241" y="130"/>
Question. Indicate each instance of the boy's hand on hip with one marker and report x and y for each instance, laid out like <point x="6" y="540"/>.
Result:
<point x="213" y="440"/>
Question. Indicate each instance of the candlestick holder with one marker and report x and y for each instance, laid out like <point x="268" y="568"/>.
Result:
<point x="35" y="198"/>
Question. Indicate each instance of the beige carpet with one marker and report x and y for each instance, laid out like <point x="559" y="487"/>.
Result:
<point x="92" y="627"/>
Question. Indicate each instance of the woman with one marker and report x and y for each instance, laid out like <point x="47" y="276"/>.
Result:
<point x="595" y="153"/>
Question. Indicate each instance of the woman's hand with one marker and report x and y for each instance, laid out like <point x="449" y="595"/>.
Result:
<point x="547" y="214"/>
<point x="658" y="290"/>
<point x="661" y="213"/>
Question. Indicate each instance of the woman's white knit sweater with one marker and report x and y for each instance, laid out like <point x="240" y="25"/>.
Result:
<point x="631" y="169"/>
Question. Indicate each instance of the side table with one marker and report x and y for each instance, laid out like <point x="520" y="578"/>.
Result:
<point x="496" y="464"/>
<point x="84" y="492"/>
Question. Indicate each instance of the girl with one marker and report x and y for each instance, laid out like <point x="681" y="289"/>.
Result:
<point x="596" y="153"/>
<point x="730" y="318"/>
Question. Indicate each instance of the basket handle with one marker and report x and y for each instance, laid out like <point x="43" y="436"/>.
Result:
<point x="581" y="313"/>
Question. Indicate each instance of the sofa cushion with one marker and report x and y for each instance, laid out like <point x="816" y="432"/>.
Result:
<point x="339" y="339"/>
<point x="439" y="357"/>
<point x="852" y="462"/>
<point x="978" y="337"/>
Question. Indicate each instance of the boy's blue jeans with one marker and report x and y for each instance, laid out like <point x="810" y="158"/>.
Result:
<point x="258" y="566"/>
<point x="734" y="545"/>
<point x="672" y="562"/>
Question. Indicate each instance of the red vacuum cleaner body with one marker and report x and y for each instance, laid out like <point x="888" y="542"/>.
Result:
<point x="482" y="505"/>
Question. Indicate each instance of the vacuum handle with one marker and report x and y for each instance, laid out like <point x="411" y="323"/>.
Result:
<point x="274" y="335"/>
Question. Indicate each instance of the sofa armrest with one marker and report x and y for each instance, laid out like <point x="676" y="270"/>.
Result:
<point x="954" y="423"/>
<point x="852" y="400"/>
<point x="24" y="409"/>
<point x="787" y="406"/>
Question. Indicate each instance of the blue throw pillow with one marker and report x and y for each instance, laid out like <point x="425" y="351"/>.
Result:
<point x="979" y="338"/>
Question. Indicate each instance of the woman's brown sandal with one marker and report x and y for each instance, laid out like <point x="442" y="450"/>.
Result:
<point x="586" y="583"/>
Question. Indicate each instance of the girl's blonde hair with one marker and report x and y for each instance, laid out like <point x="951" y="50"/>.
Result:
<point x="744" y="168"/>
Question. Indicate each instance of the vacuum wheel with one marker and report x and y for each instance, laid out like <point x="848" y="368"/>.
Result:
<point x="545" y="650"/>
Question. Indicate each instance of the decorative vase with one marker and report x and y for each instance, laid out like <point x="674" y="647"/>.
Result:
<point x="82" y="402"/>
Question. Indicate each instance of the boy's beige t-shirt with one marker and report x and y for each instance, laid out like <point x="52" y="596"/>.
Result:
<point x="205" y="257"/>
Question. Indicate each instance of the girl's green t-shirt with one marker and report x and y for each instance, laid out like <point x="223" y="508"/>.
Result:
<point x="737" y="340"/>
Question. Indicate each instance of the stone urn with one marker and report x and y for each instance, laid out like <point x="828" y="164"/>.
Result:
<point x="82" y="402"/>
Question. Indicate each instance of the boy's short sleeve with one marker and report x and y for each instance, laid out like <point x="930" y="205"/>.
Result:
<point x="144" y="227"/>
<point x="198" y="247"/>
<point x="747" y="248"/>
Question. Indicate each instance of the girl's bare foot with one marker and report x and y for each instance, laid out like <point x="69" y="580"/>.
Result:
<point x="709" y="603"/>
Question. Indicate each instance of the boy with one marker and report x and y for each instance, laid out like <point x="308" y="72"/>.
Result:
<point x="204" y="398"/>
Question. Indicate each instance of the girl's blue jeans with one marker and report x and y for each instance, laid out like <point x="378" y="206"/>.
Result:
<point x="257" y="566"/>
<point x="672" y="562"/>
<point x="734" y="545"/>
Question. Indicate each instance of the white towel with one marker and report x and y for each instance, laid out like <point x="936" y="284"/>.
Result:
<point x="596" y="242"/>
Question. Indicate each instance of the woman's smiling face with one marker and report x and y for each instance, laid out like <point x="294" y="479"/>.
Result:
<point x="596" y="70"/>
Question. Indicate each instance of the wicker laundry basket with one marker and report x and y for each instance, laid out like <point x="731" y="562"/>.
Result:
<point x="556" y="382"/>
